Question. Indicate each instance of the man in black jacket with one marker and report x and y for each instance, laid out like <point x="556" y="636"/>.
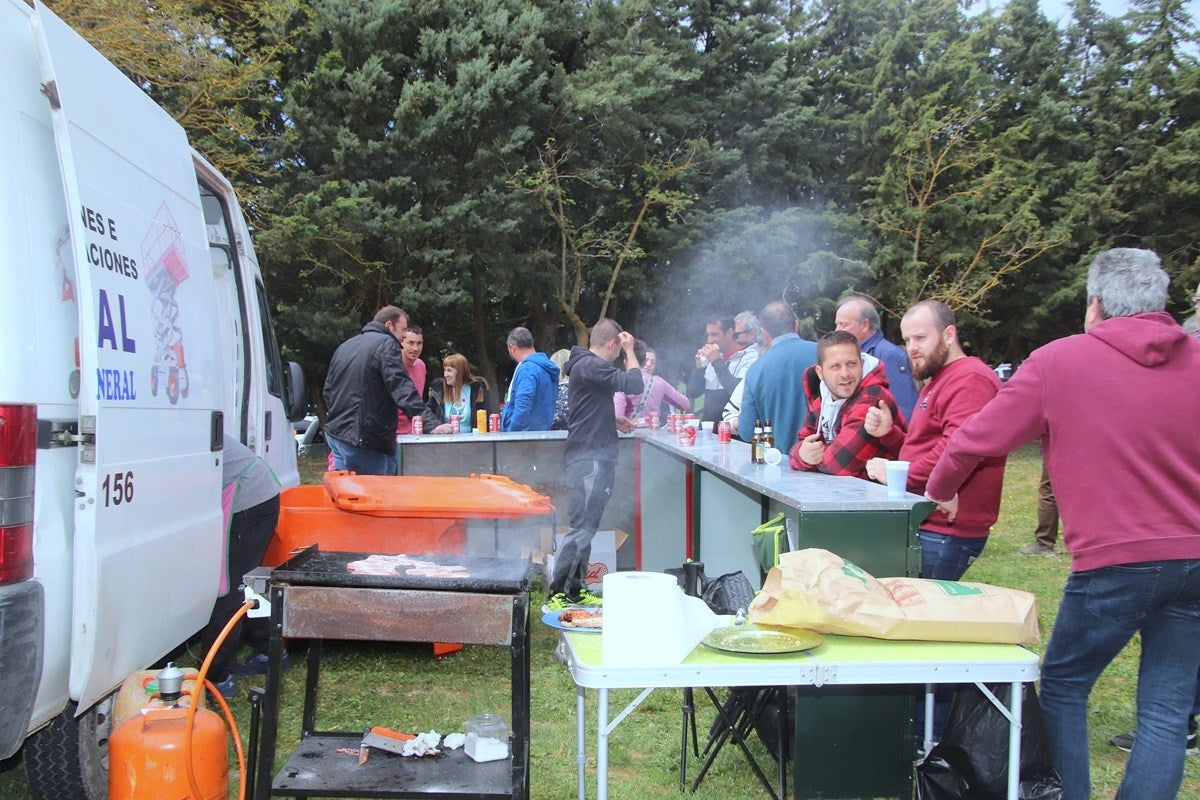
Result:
<point x="366" y="383"/>
<point x="590" y="458"/>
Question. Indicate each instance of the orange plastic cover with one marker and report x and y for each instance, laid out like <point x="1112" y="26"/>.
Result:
<point x="413" y="496"/>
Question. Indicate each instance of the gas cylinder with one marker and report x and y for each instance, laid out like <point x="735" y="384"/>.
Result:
<point x="141" y="690"/>
<point x="146" y="758"/>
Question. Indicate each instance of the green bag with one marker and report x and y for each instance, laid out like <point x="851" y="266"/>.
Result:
<point x="768" y="540"/>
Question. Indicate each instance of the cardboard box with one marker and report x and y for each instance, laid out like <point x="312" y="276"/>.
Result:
<point x="605" y="545"/>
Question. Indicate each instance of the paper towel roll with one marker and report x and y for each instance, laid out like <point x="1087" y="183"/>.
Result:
<point x="649" y="621"/>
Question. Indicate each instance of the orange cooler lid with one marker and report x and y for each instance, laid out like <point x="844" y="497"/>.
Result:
<point x="479" y="496"/>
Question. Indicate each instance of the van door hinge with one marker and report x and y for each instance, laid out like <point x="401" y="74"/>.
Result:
<point x="64" y="433"/>
<point x="50" y="89"/>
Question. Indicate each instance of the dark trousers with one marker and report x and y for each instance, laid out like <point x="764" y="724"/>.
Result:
<point x="590" y="483"/>
<point x="1047" y="512"/>
<point x="250" y="532"/>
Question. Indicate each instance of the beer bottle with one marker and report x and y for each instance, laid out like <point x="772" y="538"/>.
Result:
<point x="756" y="443"/>
<point x="768" y="436"/>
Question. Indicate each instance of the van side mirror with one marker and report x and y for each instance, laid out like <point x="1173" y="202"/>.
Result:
<point x="295" y="393"/>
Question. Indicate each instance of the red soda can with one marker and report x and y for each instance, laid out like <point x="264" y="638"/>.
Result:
<point x="724" y="432"/>
<point x="418" y="425"/>
<point x="672" y="423"/>
<point x="494" y="423"/>
<point x="653" y="420"/>
<point x="455" y="423"/>
<point x="687" y="435"/>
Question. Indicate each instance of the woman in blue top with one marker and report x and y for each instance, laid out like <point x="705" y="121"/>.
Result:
<point x="459" y="392"/>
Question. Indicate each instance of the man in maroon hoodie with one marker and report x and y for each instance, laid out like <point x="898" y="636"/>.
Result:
<point x="957" y="386"/>
<point x="1117" y="414"/>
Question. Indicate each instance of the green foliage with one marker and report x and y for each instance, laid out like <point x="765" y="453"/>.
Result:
<point x="489" y="163"/>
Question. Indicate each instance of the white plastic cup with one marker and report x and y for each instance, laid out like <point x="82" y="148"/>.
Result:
<point x="773" y="456"/>
<point x="897" y="478"/>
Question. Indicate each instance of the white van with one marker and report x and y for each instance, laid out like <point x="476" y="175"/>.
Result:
<point x="135" y="330"/>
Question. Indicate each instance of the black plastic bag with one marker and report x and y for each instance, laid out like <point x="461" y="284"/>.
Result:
<point x="971" y="760"/>
<point x="726" y="594"/>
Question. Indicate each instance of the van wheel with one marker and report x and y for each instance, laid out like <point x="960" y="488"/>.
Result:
<point x="68" y="759"/>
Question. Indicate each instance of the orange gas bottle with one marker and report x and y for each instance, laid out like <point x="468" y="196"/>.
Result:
<point x="146" y="759"/>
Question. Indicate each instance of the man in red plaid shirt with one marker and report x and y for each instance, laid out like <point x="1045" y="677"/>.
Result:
<point x="840" y="388"/>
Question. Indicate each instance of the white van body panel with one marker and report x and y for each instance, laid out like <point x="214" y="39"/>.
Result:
<point x="150" y="370"/>
<point x="122" y="324"/>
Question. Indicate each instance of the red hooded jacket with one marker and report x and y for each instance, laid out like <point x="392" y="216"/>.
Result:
<point x="852" y="446"/>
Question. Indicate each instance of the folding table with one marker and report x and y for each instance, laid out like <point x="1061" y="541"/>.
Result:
<point x="838" y="660"/>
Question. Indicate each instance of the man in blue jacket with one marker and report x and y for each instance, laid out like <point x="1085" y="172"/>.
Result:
<point x="859" y="316"/>
<point x="774" y="387"/>
<point x="534" y="388"/>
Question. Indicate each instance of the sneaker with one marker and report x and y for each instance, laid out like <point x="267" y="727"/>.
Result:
<point x="258" y="663"/>
<point x="1124" y="741"/>
<point x="589" y="600"/>
<point x="1036" y="549"/>
<point x="558" y="601"/>
<point x="227" y="688"/>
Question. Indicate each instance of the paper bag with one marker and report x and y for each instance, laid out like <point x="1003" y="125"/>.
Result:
<point x="823" y="592"/>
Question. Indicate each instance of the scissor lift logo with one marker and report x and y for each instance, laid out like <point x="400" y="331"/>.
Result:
<point x="163" y="252"/>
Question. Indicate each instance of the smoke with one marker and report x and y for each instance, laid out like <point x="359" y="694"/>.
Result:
<point x="747" y="258"/>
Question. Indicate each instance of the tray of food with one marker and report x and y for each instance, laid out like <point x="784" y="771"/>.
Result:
<point x="584" y="620"/>
<point x="312" y="566"/>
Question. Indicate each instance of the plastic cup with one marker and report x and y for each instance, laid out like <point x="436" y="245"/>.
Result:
<point x="897" y="478"/>
<point x="773" y="456"/>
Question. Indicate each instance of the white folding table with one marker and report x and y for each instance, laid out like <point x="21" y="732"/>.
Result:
<point x="838" y="660"/>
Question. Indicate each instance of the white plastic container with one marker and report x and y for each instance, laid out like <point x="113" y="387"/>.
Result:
<point x="487" y="738"/>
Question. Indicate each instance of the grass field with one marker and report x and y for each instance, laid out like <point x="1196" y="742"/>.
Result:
<point x="402" y="686"/>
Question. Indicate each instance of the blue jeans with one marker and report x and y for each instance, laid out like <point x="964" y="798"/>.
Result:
<point x="590" y="484"/>
<point x="361" y="460"/>
<point x="946" y="558"/>
<point x="1100" y="612"/>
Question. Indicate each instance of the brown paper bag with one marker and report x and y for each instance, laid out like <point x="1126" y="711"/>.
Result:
<point x="823" y="592"/>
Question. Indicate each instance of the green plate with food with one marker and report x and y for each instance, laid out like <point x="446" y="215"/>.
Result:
<point x="750" y="638"/>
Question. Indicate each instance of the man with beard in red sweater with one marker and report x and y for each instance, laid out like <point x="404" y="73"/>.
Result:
<point x="957" y="386"/>
<point x="1116" y="411"/>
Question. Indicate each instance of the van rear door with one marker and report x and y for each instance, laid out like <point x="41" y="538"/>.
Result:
<point x="148" y="522"/>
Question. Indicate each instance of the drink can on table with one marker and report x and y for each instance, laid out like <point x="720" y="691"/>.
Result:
<point x="687" y="435"/>
<point x="494" y="423"/>
<point x="455" y="423"/>
<point x="724" y="432"/>
<point x="418" y="425"/>
<point x="653" y="420"/>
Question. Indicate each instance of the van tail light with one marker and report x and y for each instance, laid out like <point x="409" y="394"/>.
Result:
<point x="18" y="451"/>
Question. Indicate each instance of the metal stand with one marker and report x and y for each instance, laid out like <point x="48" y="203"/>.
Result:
<point x="497" y="614"/>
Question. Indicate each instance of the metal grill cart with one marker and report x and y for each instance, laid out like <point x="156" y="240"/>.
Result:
<point x="314" y="596"/>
